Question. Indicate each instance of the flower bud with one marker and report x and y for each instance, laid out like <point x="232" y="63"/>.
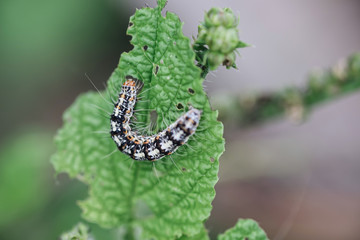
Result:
<point x="219" y="33"/>
<point x="229" y="60"/>
<point x="220" y="17"/>
<point x="215" y="59"/>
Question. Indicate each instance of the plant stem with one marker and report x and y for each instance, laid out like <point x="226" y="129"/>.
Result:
<point x="293" y="102"/>
<point x="129" y="232"/>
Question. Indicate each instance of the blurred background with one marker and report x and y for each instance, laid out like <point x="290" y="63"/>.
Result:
<point x="299" y="181"/>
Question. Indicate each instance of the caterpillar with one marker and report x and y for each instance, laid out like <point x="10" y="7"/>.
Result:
<point x="140" y="147"/>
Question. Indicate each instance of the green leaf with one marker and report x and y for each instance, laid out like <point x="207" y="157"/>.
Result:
<point x="161" y="200"/>
<point x="161" y="3"/>
<point x="243" y="45"/>
<point x="79" y="232"/>
<point x="245" y="229"/>
<point x="202" y="235"/>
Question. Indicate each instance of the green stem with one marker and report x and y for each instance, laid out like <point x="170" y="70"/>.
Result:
<point x="129" y="232"/>
<point x="293" y="102"/>
<point x="200" y="51"/>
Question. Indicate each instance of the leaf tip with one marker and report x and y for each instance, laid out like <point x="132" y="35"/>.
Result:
<point x="161" y="4"/>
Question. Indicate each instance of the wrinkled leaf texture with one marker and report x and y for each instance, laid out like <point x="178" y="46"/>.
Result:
<point x="160" y="200"/>
<point x="79" y="232"/>
<point x="244" y="229"/>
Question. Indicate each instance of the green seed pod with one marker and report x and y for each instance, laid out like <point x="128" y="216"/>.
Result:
<point x="222" y="39"/>
<point x="220" y="17"/>
<point x="219" y="36"/>
<point x="212" y="18"/>
<point x="215" y="59"/>
<point x="229" y="60"/>
<point x="229" y="19"/>
<point x="230" y="40"/>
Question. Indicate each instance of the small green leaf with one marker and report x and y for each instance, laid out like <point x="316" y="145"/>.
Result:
<point x="245" y="229"/>
<point x="161" y="4"/>
<point x="171" y="200"/>
<point x="243" y="45"/>
<point x="202" y="235"/>
<point x="79" y="232"/>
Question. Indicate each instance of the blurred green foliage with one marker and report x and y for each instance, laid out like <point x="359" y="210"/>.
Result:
<point x="79" y="232"/>
<point x="23" y="175"/>
<point x="39" y="34"/>
<point x="47" y="46"/>
<point x="45" y="49"/>
<point x="32" y="204"/>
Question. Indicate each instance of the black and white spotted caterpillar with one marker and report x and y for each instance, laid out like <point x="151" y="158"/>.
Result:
<point x="140" y="147"/>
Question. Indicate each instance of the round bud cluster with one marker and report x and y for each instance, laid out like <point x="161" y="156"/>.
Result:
<point x="219" y="32"/>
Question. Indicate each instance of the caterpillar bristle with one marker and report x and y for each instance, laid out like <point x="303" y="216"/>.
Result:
<point x="148" y="147"/>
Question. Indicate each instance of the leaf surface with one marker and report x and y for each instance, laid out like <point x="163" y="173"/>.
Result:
<point x="202" y="235"/>
<point x="245" y="229"/>
<point x="173" y="196"/>
<point x="79" y="232"/>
